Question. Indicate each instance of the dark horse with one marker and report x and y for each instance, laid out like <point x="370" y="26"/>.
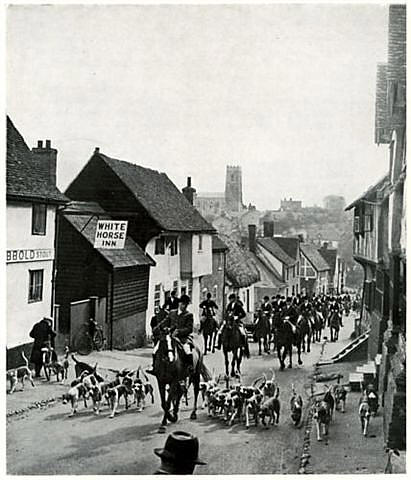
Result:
<point x="335" y="323"/>
<point x="305" y="331"/>
<point x="318" y="326"/>
<point x="171" y="371"/>
<point x="286" y="335"/>
<point x="232" y="342"/>
<point x="209" y="329"/>
<point x="262" y="331"/>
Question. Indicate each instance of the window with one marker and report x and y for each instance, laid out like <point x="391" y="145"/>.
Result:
<point x="190" y="288"/>
<point x="175" y="286"/>
<point x="160" y="247"/>
<point x="36" y="286"/>
<point x="293" y="290"/>
<point x="368" y="223"/>
<point x="287" y="274"/>
<point x="173" y="246"/>
<point x="200" y="243"/>
<point x="157" y="295"/>
<point x="306" y="271"/>
<point x="183" y="290"/>
<point x="38" y="219"/>
<point x="356" y="224"/>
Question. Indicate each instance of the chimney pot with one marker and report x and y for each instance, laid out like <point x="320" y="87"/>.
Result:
<point x="48" y="144"/>
<point x="188" y="181"/>
<point x="39" y="143"/>
<point x="97" y="150"/>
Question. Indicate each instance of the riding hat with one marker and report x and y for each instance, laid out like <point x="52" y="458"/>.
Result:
<point x="180" y="448"/>
<point x="184" y="299"/>
<point x="48" y="319"/>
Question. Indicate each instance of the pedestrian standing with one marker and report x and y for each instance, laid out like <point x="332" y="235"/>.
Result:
<point x="44" y="336"/>
<point x="171" y="302"/>
<point x="179" y="455"/>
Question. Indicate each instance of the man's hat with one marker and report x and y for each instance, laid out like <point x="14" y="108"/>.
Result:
<point x="48" y="319"/>
<point x="180" y="448"/>
<point x="184" y="299"/>
<point x="232" y="295"/>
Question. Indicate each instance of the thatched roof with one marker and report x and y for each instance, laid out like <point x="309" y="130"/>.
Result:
<point x="240" y="267"/>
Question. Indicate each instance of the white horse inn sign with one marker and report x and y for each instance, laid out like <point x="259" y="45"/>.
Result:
<point x="29" y="255"/>
<point x="110" y="234"/>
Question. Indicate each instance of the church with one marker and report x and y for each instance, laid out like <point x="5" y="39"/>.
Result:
<point x="231" y="201"/>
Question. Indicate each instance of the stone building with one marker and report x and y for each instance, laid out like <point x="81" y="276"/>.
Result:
<point x="334" y="202"/>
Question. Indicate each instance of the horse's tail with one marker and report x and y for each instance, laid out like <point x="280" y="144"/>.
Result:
<point x="205" y="372"/>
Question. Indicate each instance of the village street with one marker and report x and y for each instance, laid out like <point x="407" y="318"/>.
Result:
<point x="48" y="442"/>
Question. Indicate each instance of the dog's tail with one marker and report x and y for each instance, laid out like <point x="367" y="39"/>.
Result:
<point x="74" y="358"/>
<point x="25" y="358"/>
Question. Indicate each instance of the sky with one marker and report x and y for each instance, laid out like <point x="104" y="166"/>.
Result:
<point x="287" y="92"/>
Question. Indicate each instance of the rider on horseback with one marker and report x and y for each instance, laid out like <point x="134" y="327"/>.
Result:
<point x="209" y="307"/>
<point x="180" y="322"/>
<point x="235" y="310"/>
<point x="306" y="311"/>
<point x="266" y="307"/>
<point x="335" y="307"/>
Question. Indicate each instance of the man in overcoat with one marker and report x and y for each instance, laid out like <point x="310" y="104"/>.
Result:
<point x="42" y="332"/>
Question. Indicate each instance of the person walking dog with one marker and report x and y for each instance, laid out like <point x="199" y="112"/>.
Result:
<point x="42" y="332"/>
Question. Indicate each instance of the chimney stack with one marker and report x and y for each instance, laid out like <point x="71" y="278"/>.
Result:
<point x="252" y="240"/>
<point x="189" y="191"/>
<point x="47" y="161"/>
<point x="268" y="228"/>
<point x="97" y="150"/>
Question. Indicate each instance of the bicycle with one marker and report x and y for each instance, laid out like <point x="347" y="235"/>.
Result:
<point x="84" y="342"/>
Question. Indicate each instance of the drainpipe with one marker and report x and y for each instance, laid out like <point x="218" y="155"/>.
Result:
<point x="54" y="268"/>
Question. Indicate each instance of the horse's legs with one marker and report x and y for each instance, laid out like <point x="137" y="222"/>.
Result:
<point x="289" y="350"/>
<point x="259" y="345"/>
<point x="196" y="387"/>
<point x="300" y="362"/>
<point x="213" y="339"/>
<point x="205" y="337"/>
<point x="239" y="359"/>
<point x="279" y="355"/>
<point x="162" y="390"/>
<point x="233" y="362"/>
<point x="226" y="361"/>
<point x="308" y="341"/>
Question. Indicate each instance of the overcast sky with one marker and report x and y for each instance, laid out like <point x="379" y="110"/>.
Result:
<point x="285" y="91"/>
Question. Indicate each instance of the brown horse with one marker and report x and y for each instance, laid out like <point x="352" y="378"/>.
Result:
<point x="287" y="335"/>
<point x="232" y="342"/>
<point x="335" y="323"/>
<point x="209" y="330"/>
<point x="171" y="370"/>
<point x="262" y="331"/>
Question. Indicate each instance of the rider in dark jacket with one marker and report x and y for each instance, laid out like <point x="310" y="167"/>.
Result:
<point x="209" y="308"/>
<point x="234" y="309"/>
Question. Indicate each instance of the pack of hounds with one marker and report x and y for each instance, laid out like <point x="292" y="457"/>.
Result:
<point x="334" y="398"/>
<point x="257" y="403"/>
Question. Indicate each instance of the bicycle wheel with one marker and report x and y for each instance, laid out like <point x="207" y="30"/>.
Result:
<point x="83" y="343"/>
<point x="98" y="340"/>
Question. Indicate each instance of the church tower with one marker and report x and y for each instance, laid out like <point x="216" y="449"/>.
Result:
<point x="233" y="189"/>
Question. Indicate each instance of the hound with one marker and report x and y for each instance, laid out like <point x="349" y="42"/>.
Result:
<point x="20" y="373"/>
<point x="364" y="412"/>
<point x="114" y="394"/>
<point x="340" y="394"/>
<point x="271" y="408"/>
<point x="296" y="406"/>
<point x="322" y="417"/>
<point x="252" y="405"/>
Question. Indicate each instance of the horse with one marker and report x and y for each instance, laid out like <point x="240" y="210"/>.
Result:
<point x="232" y="341"/>
<point x="263" y="331"/>
<point x="209" y="330"/>
<point x="287" y="335"/>
<point x="318" y="326"/>
<point x="305" y="331"/>
<point x="334" y="322"/>
<point x="171" y="371"/>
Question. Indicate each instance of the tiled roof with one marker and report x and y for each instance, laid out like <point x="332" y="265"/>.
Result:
<point x="24" y="177"/>
<point x="240" y="267"/>
<point x="330" y="256"/>
<point x="217" y="244"/>
<point x="272" y="245"/>
<point x="289" y="245"/>
<point x="397" y="54"/>
<point x="159" y="197"/>
<point x="382" y="130"/>
<point x="311" y="253"/>
<point x="268" y="274"/>
<point x="83" y="216"/>
<point x="371" y="193"/>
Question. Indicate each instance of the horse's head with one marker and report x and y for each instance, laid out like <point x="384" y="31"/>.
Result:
<point x="166" y="345"/>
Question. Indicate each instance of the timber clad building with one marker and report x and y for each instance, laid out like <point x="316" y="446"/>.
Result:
<point x="32" y="203"/>
<point x="379" y="237"/>
<point x="161" y="221"/>
<point x="117" y="279"/>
